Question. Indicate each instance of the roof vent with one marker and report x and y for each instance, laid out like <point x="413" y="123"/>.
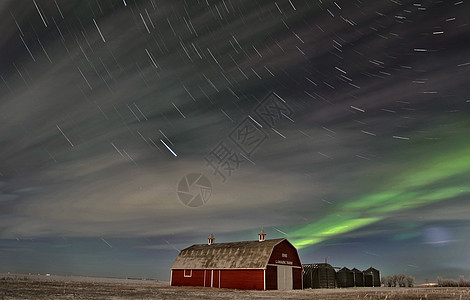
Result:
<point x="262" y="235"/>
<point x="211" y="240"/>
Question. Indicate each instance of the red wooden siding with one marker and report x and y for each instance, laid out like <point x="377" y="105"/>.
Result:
<point x="208" y="274"/>
<point x="196" y="279"/>
<point x="271" y="278"/>
<point x="242" y="279"/>
<point x="285" y="248"/>
<point x="216" y="279"/>
<point x="231" y="279"/>
<point x="297" y="278"/>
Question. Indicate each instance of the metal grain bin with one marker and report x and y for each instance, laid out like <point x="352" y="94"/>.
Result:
<point x="319" y="276"/>
<point x="368" y="280"/>
<point x="358" y="277"/>
<point x="345" y="277"/>
<point x="375" y="276"/>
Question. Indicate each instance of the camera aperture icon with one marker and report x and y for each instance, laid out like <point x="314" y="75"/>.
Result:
<point x="194" y="189"/>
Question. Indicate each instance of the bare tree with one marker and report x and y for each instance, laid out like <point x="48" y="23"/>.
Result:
<point x="394" y="280"/>
<point x="383" y="280"/>
<point x="410" y="281"/>
<point x="461" y="281"/>
<point x="400" y="280"/>
<point x="453" y="283"/>
<point x="387" y="281"/>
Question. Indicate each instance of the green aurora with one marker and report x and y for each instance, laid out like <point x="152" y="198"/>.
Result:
<point x="439" y="179"/>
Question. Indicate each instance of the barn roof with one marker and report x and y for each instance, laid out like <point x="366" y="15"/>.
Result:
<point x="234" y="255"/>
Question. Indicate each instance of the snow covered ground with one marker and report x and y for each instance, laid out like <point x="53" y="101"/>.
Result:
<point x="18" y="286"/>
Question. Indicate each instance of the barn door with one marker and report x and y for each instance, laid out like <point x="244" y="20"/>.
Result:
<point x="284" y="278"/>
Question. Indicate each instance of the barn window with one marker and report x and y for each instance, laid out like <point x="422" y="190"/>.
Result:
<point x="188" y="273"/>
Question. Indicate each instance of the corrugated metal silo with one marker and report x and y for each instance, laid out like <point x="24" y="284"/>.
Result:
<point x="345" y="277"/>
<point x="319" y="276"/>
<point x="375" y="276"/>
<point x="368" y="279"/>
<point x="358" y="277"/>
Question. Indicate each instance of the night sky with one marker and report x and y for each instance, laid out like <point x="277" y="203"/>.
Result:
<point x="343" y="126"/>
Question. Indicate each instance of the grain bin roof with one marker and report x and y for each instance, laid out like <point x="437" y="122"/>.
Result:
<point x="355" y="270"/>
<point x="319" y="265"/>
<point x="371" y="269"/>
<point x="235" y="255"/>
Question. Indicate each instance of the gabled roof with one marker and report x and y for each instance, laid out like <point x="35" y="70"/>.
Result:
<point x="371" y="269"/>
<point x="355" y="270"/>
<point x="235" y="255"/>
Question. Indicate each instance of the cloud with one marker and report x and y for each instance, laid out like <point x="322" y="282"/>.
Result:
<point x="100" y="196"/>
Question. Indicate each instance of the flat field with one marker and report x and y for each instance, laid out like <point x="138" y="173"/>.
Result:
<point x="73" y="287"/>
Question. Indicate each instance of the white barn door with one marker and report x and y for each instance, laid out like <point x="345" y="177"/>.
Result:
<point x="284" y="278"/>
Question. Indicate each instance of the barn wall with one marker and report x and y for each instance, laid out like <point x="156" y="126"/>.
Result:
<point x="232" y="279"/>
<point x="271" y="278"/>
<point x="297" y="278"/>
<point x="242" y="279"/>
<point x="207" y="275"/>
<point x="288" y="250"/>
<point x="216" y="278"/>
<point x="178" y="279"/>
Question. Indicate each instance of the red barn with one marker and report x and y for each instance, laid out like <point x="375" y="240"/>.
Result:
<point x="253" y="265"/>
